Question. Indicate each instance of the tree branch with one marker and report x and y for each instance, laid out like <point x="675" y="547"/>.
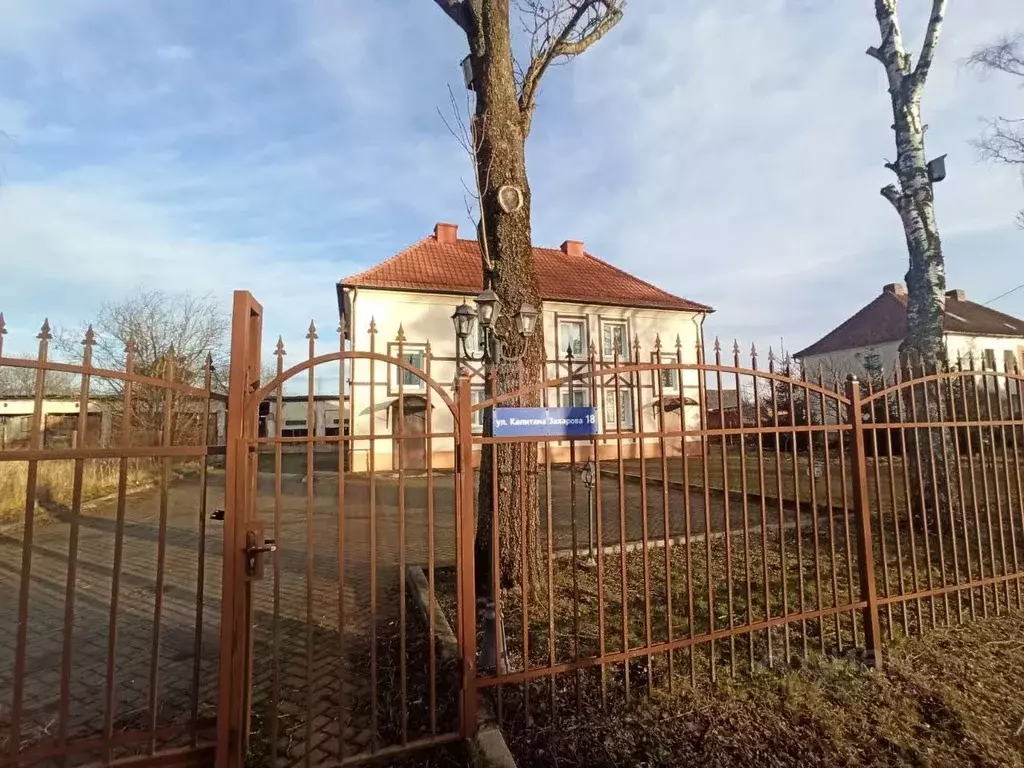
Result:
<point x="931" y="39"/>
<point x="588" y="22"/>
<point x="890" y="193"/>
<point x="892" y="167"/>
<point x="459" y="12"/>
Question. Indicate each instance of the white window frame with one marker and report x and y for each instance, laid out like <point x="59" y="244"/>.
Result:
<point x="580" y="399"/>
<point x="609" y="353"/>
<point x="572" y="321"/>
<point x="611" y="422"/>
<point x="674" y="389"/>
<point x="419" y="385"/>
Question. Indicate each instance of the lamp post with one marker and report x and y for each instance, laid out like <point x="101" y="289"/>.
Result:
<point x="588" y="475"/>
<point x="465" y="317"/>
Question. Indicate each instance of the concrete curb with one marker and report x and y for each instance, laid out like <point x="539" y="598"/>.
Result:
<point x="488" y="746"/>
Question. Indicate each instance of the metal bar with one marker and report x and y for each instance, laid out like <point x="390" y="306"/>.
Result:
<point x="431" y="594"/>
<point x="465" y="562"/>
<point x="712" y="649"/>
<point x="907" y="501"/>
<point x="783" y="559"/>
<point x="995" y="483"/>
<point x="950" y="403"/>
<point x="103" y="373"/>
<point x="400" y="423"/>
<point x="154" y="452"/>
<point x="550" y="563"/>
<point x="815" y="527"/>
<point x="494" y="565"/>
<point x="847" y="538"/>
<point x="166" y="438"/>
<point x="80" y="745"/>
<point x="623" y="578"/>
<point x="866" y="556"/>
<point x="764" y="504"/>
<point x="25" y="586"/>
<point x="833" y="561"/>
<point x="707" y="432"/>
<point x="881" y="522"/>
<point x="575" y="583"/>
<point x="311" y="337"/>
<point x="401" y="751"/>
<point x="599" y="524"/>
<point x="638" y="417"/>
<point x="923" y="507"/>
<point x="936" y="480"/>
<point x="659" y="381"/>
<point x="275" y="682"/>
<point x="985" y="494"/>
<point x="744" y="487"/>
<point x="726" y="512"/>
<point x="197" y="650"/>
<point x="1020" y="489"/>
<point x="794" y="456"/>
<point x="371" y="463"/>
<point x="988" y="581"/>
<point x="82" y="426"/>
<point x="974" y="497"/>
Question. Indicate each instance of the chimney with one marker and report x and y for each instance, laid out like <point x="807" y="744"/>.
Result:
<point x="896" y="289"/>
<point x="957" y="295"/>
<point x="572" y="247"/>
<point x="446" y="233"/>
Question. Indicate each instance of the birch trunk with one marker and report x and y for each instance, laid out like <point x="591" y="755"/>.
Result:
<point x="923" y="349"/>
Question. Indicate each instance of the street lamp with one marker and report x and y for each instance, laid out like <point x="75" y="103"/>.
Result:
<point x="488" y="308"/>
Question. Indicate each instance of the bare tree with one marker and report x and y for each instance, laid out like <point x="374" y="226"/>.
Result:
<point x="1003" y="138"/>
<point x="22" y="381"/>
<point x="170" y="335"/>
<point x="913" y="197"/>
<point x="506" y="96"/>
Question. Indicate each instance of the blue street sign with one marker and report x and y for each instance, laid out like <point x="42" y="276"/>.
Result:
<point x="545" y="422"/>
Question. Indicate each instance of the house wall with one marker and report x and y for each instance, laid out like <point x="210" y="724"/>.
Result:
<point x="427" y="318"/>
<point x="844" y="362"/>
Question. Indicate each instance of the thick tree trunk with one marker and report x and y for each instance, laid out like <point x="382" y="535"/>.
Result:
<point x="930" y="452"/>
<point x="500" y="137"/>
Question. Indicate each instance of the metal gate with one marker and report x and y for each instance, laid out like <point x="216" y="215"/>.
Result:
<point x="341" y="562"/>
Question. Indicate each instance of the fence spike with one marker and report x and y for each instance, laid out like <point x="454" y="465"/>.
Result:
<point x="208" y="363"/>
<point x="753" y="355"/>
<point x="373" y="326"/>
<point x="90" y="337"/>
<point x="44" y="331"/>
<point x="171" y="351"/>
<point x="657" y="345"/>
<point x="718" y="345"/>
<point x="3" y="332"/>
<point x="279" y="349"/>
<point x="401" y="333"/>
<point x="426" y="349"/>
<point x="592" y="349"/>
<point x="736" y="349"/>
<point x="311" y="334"/>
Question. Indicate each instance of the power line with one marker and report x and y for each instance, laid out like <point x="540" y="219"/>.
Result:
<point x="1003" y="295"/>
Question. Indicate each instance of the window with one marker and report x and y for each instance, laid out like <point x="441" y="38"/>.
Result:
<point x="1009" y="360"/>
<point x="476" y="395"/>
<point x="614" y="340"/>
<point x="612" y="420"/>
<point x="669" y="377"/>
<point x="572" y="335"/>
<point x="988" y="360"/>
<point x="410" y="381"/>
<point x="577" y="397"/>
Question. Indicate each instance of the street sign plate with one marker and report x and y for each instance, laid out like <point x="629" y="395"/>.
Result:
<point x="577" y="422"/>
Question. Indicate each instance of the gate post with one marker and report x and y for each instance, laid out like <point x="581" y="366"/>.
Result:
<point x="862" y="510"/>
<point x="466" y="554"/>
<point x="235" y="636"/>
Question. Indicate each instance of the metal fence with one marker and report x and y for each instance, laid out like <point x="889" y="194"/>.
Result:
<point x="818" y="517"/>
<point x="109" y="610"/>
<point x="724" y="517"/>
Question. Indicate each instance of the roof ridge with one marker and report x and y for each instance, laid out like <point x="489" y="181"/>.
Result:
<point x="624" y="273"/>
<point x="389" y="260"/>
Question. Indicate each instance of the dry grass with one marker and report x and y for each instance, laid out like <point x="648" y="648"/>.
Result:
<point x="949" y="698"/>
<point x="56" y="480"/>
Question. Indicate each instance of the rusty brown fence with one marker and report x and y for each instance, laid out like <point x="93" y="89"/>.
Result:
<point x="286" y="573"/>
<point x="802" y="515"/>
<point x="109" y="581"/>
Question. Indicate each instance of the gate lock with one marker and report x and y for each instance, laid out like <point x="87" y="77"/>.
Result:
<point x="256" y="544"/>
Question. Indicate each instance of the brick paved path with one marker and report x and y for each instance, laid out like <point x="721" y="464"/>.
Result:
<point x="335" y="688"/>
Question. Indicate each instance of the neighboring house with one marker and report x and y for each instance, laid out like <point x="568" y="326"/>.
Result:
<point x="722" y="409"/>
<point x="869" y="341"/>
<point x="585" y="300"/>
<point x="59" y="422"/>
<point x="328" y="420"/>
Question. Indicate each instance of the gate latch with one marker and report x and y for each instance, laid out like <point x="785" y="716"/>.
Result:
<point x="256" y="545"/>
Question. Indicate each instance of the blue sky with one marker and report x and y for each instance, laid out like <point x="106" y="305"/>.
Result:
<point x="729" y="152"/>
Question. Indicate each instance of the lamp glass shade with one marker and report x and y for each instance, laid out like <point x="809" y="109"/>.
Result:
<point x="488" y="307"/>
<point x="526" y="319"/>
<point x="464" y="319"/>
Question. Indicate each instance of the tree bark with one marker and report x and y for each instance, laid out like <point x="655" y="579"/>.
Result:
<point x="500" y="140"/>
<point x="930" y="451"/>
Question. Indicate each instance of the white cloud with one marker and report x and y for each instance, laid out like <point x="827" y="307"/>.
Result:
<point x="174" y="53"/>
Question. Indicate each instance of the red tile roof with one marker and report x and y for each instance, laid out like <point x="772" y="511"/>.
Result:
<point x="884" y="320"/>
<point x="447" y="264"/>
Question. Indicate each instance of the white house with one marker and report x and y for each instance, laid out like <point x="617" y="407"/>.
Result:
<point x="584" y="300"/>
<point x="870" y="339"/>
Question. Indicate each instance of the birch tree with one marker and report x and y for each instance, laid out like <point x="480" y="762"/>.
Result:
<point x="913" y="198"/>
<point x="506" y="94"/>
<point x="1003" y="139"/>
